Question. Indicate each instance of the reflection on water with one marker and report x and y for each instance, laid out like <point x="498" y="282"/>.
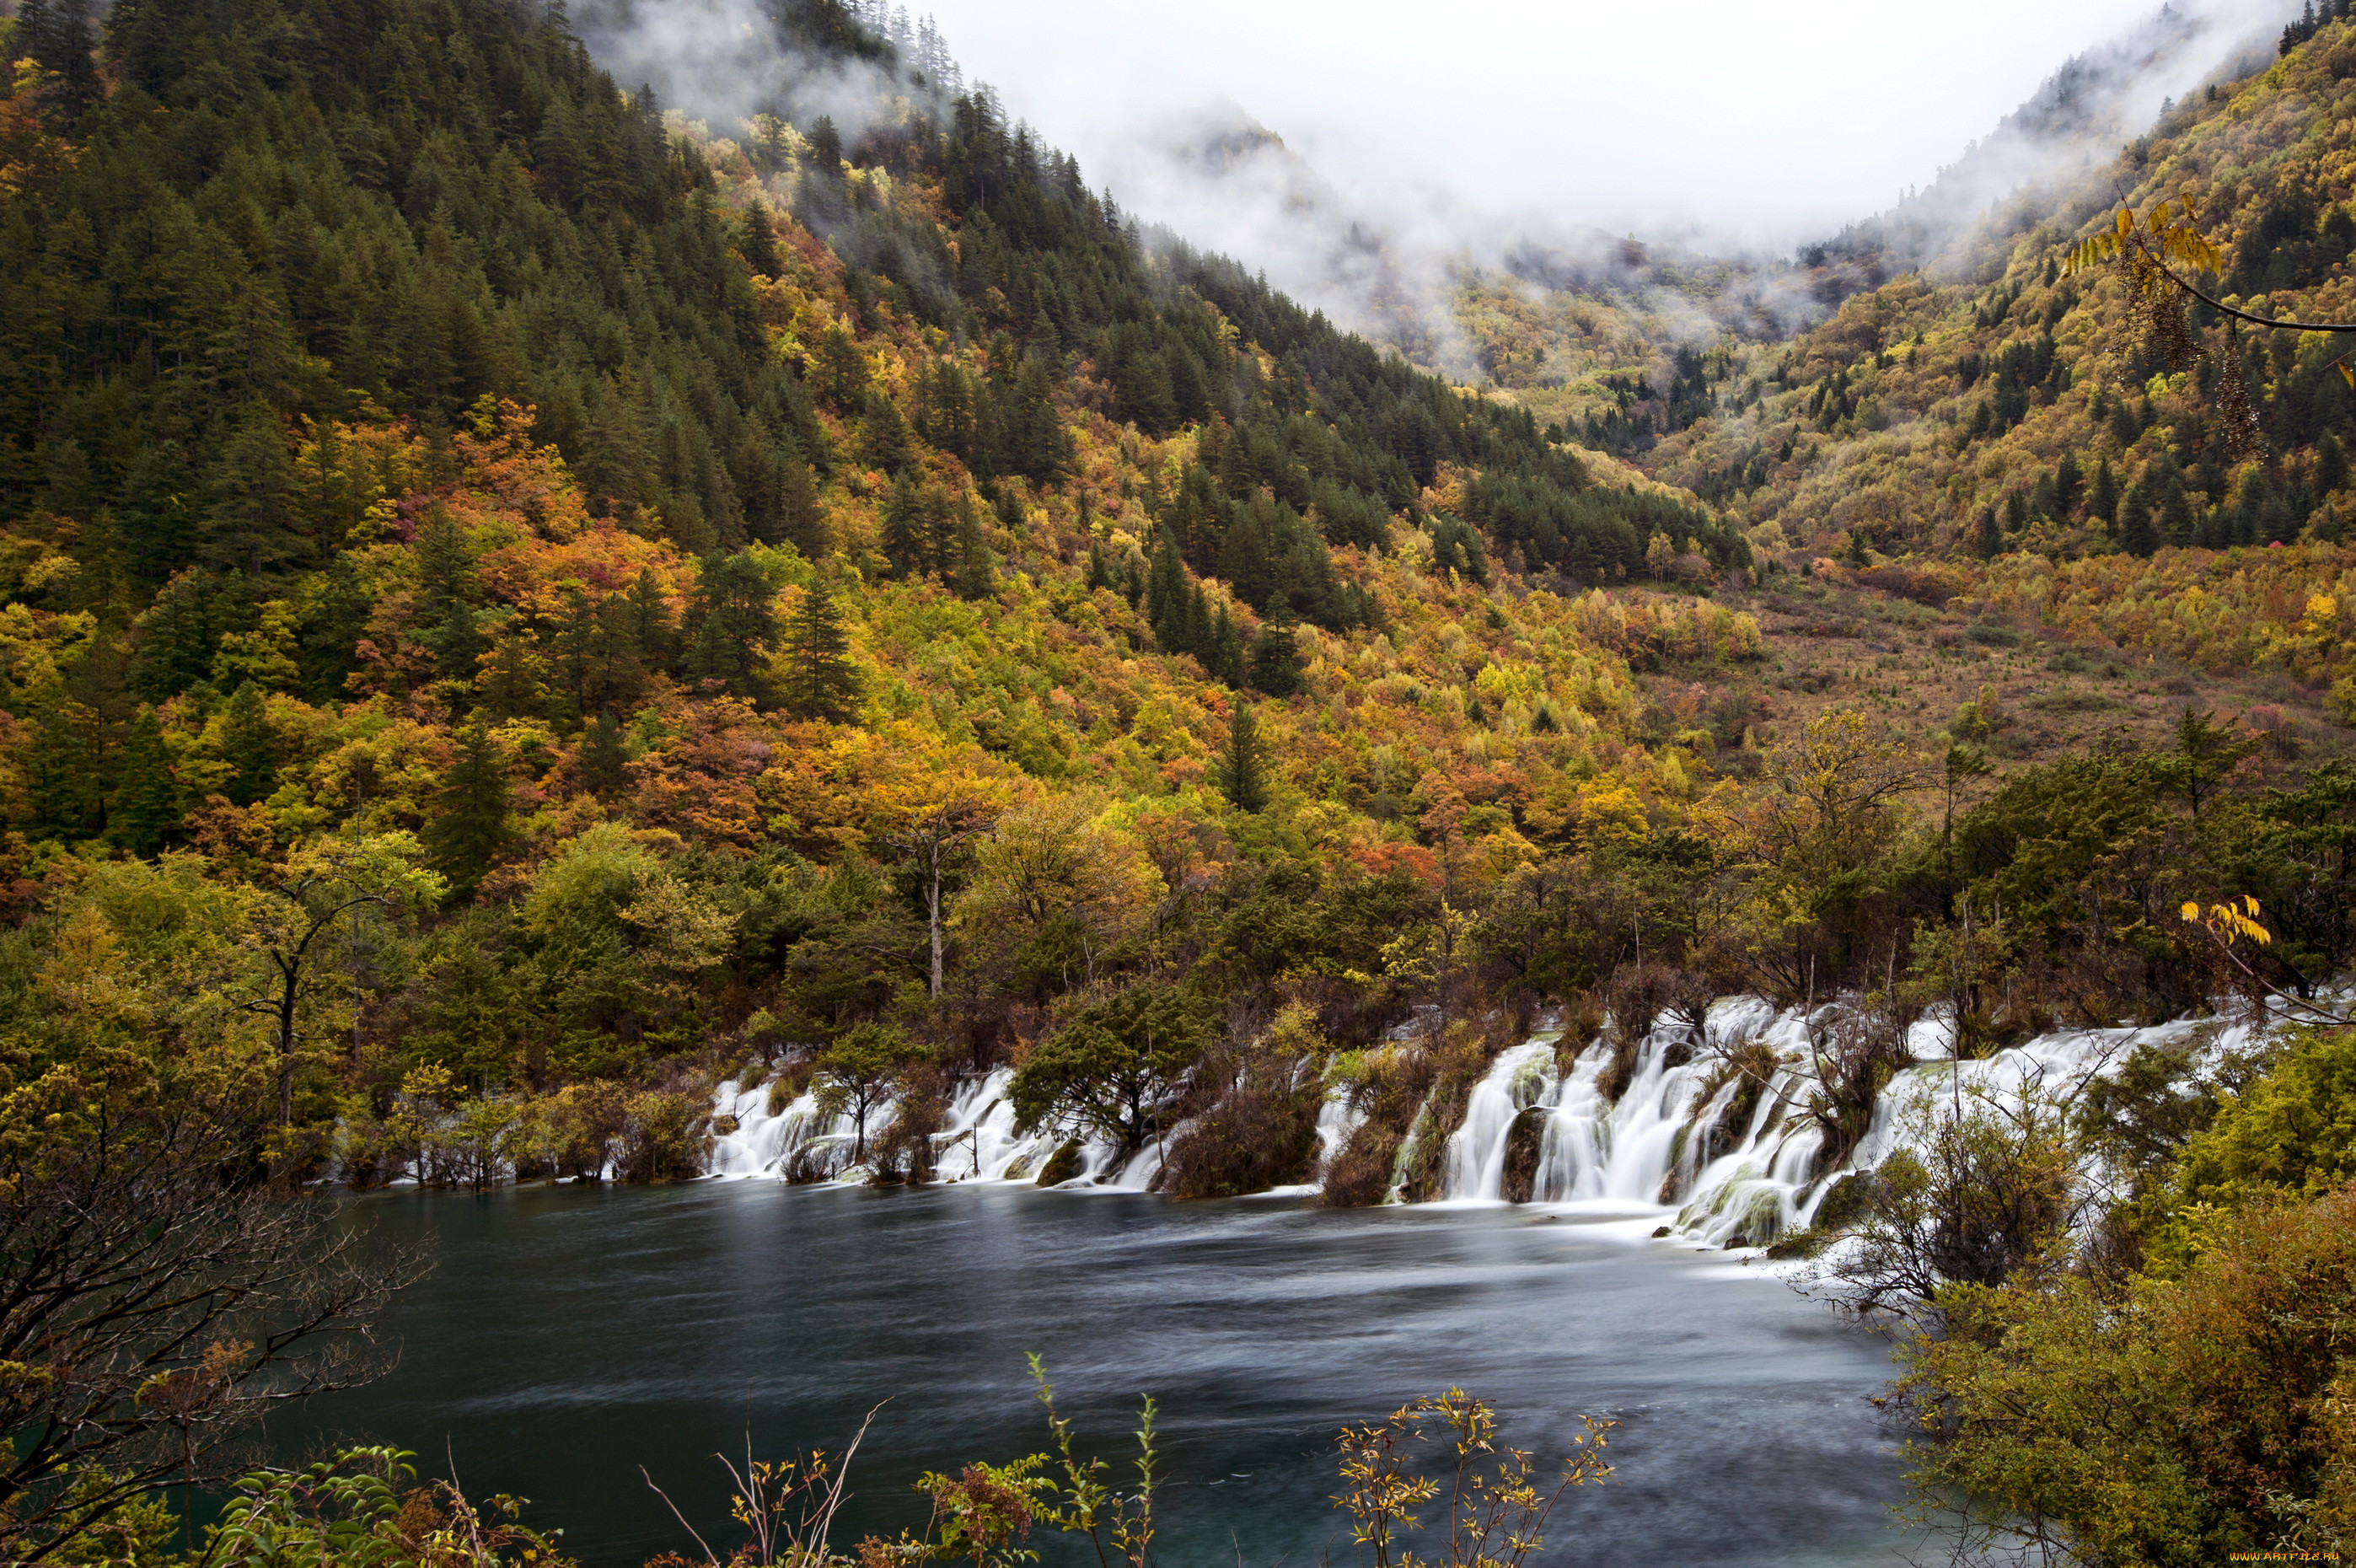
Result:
<point x="568" y="1336"/>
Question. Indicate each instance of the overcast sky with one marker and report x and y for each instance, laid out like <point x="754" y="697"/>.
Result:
<point x="1772" y="120"/>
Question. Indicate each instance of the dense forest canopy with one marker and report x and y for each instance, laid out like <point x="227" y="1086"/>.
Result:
<point x="517" y="605"/>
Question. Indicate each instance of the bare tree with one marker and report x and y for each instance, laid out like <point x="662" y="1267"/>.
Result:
<point x="157" y="1299"/>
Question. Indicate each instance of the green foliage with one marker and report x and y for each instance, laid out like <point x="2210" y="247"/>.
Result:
<point x="2193" y="1419"/>
<point x="1112" y="1070"/>
<point x="820" y="682"/>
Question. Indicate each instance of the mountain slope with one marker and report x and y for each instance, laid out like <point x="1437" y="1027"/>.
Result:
<point x="2025" y="419"/>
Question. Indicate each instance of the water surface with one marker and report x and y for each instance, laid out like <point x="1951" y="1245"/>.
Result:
<point x="569" y="1335"/>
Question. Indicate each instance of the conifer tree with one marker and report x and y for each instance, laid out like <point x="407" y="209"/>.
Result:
<point x="820" y="682"/>
<point x="649" y="622"/>
<point x="1168" y="597"/>
<point x="736" y="622"/>
<point x="756" y="241"/>
<point x="65" y="773"/>
<point x="1987" y="538"/>
<point x="1242" y="772"/>
<point x="147" y="799"/>
<point x="469" y="824"/>
<point x="1224" y="657"/>
<point x="2103" y="499"/>
<point x="2136" y="534"/>
<point x="908" y="541"/>
<point x="1276" y="658"/>
<point x="842" y="370"/>
<point x="600" y="761"/>
<point x="976" y="577"/>
<point x="883" y="440"/>
<point x="797" y="510"/>
<point x="249" y="746"/>
<point x="2330" y="463"/>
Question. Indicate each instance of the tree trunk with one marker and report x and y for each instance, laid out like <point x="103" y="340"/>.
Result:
<point x="933" y="914"/>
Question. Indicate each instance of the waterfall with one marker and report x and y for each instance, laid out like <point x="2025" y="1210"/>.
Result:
<point x="763" y="1143"/>
<point x="1522" y="1078"/>
<point x="1721" y="1155"/>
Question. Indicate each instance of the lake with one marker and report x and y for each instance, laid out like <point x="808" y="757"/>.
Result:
<point x="568" y="1336"/>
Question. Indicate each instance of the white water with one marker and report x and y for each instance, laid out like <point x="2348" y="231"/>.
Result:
<point x="1665" y="1149"/>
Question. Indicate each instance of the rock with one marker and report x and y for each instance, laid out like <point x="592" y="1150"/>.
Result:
<point x="1062" y="1165"/>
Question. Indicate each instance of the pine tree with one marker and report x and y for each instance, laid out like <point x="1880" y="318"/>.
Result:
<point x="736" y="622"/>
<point x="756" y="241"/>
<point x="842" y="370"/>
<point x="907" y="542"/>
<point x="649" y="623"/>
<point x="1987" y="538"/>
<point x="2330" y="463"/>
<point x="883" y="441"/>
<point x="602" y="759"/>
<point x="2103" y="501"/>
<point x="1168" y="597"/>
<point x="469" y="824"/>
<point x="797" y="510"/>
<point x="1276" y="659"/>
<point x="65" y="777"/>
<point x="2135" y="535"/>
<point x="1224" y="657"/>
<point x="976" y="577"/>
<point x="249" y="746"/>
<point x="147" y="798"/>
<point x="252" y="527"/>
<point x="1242" y="772"/>
<point x="820" y="681"/>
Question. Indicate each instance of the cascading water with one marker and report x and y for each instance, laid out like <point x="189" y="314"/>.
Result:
<point x="1724" y="1154"/>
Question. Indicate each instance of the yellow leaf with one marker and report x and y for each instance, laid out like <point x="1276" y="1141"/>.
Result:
<point x="2191" y="910"/>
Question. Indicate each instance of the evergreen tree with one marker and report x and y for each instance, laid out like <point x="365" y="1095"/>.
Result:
<point x="842" y="370"/>
<point x="907" y="539"/>
<point x="147" y="798"/>
<point x="883" y="440"/>
<point x="65" y="773"/>
<point x="2103" y="499"/>
<point x="1276" y="659"/>
<point x="1169" y="597"/>
<point x="976" y="577"/>
<point x="647" y="623"/>
<point x="249" y="746"/>
<point x="735" y="623"/>
<point x="799" y="515"/>
<point x="2330" y="463"/>
<point x="252" y="527"/>
<point x="469" y="824"/>
<point x="2136" y="534"/>
<point x="600" y="761"/>
<point x="820" y="682"/>
<point x="2067" y="477"/>
<point x="1225" y="658"/>
<point x="1987" y="538"/>
<point x="1242" y="771"/>
<point x="756" y="241"/>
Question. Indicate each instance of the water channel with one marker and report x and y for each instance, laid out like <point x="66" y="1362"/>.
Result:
<point x="568" y="1336"/>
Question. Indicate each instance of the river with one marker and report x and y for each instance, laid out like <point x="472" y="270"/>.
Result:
<point x="568" y="1336"/>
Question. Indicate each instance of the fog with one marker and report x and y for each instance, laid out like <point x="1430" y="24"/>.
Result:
<point x="1765" y="124"/>
<point x="1366" y="158"/>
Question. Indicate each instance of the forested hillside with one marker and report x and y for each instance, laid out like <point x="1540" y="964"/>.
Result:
<point x="518" y="607"/>
<point x="434" y="478"/>
<point x="2078" y="454"/>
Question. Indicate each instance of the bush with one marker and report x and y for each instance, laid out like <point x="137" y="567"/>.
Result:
<point x="2195" y="1418"/>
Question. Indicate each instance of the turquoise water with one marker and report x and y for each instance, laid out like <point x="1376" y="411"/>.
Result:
<point x="569" y="1335"/>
